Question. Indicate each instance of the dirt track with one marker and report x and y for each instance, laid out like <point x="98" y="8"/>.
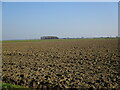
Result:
<point x="62" y="64"/>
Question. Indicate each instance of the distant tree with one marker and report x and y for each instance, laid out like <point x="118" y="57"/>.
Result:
<point x="49" y="37"/>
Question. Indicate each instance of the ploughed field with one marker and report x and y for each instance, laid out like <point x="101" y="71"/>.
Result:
<point x="82" y="63"/>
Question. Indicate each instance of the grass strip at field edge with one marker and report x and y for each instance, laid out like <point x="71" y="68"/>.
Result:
<point x="7" y="85"/>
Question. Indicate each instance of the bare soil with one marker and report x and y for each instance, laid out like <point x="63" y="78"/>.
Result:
<point x="92" y="63"/>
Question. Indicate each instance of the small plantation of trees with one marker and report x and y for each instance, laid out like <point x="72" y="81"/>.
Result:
<point x="49" y="37"/>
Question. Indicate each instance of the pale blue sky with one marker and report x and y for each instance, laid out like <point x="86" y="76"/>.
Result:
<point x="29" y="20"/>
<point x="0" y="21"/>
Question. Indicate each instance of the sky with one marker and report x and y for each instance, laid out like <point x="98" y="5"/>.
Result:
<point x="31" y="20"/>
<point x="0" y="21"/>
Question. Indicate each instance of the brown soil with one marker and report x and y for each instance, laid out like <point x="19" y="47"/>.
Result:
<point x="62" y="64"/>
